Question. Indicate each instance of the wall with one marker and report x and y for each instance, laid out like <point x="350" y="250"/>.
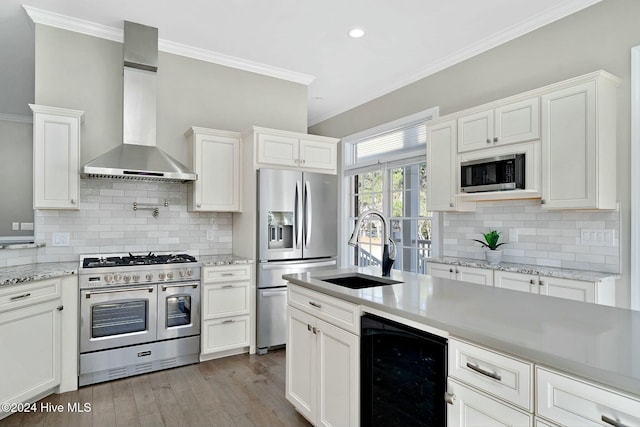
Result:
<point x="16" y="176"/>
<point x="599" y="37"/>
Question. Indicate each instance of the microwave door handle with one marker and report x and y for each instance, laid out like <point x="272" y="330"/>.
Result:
<point x="298" y="213"/>
<point x="308" y="209"/>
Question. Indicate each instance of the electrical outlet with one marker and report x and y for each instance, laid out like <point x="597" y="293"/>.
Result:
<point x="210" y="234"/>
<point x="597" y="237"/>
<point x="15" y="226"/>
<point x="26" y="226"/>
<point x="60" y="239"/>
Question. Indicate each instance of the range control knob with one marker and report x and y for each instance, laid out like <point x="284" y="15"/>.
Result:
<point x="135" y="277"/>
<point x="170" y="275"/>
<point x="117" y="277"/>
<point x="161" y="276"/>
<point x="189" y="272"/>
<point x="149" y="276"/>
<point x="108" y="278"/>
<point x="126" y="278"/>
<point x="182" y="272"/>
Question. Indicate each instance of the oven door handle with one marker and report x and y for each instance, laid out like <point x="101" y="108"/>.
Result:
<point x="113" y="291"/>
<point x="193" y="285"/>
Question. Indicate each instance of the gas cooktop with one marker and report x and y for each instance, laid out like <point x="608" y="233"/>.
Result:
<point x="131" y="260"/>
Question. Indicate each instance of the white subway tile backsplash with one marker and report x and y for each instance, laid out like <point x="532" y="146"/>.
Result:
<point x="550" y="238"/>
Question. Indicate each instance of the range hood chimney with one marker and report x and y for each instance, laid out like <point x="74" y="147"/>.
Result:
<point x="138" y="157"/>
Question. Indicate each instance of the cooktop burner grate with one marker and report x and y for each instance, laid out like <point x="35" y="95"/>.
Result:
<point x="127" y="260"/>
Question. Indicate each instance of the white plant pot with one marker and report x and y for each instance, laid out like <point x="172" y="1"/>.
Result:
<point x="494" y="257"/>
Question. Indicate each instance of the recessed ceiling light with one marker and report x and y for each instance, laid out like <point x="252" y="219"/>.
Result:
<point x="356" y="33"/>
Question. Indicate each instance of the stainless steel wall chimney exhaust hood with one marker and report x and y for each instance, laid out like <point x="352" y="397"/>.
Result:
<point x="138" y="157"/>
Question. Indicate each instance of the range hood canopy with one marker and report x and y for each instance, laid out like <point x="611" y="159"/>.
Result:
<point x="138" y="157"/>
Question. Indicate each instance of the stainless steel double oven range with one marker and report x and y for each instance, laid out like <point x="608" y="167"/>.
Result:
<point x="138" y="313"/>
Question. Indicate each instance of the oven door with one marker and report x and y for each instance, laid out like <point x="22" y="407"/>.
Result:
<point x="178" y="310"/>
<point x="117" y="317"/>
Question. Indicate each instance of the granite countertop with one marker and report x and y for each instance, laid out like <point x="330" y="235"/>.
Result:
<point x="30" y="245"/>
<point x="32" y="272"/>
<point x="595" y="342"/>
<point x="565" y="273"/>
<point x="214" y="260"/>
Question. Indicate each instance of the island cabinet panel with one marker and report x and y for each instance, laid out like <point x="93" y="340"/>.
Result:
<point x="569" y="401"/>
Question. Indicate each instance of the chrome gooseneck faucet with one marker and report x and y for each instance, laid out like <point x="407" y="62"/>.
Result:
<point x="388" y="256"/>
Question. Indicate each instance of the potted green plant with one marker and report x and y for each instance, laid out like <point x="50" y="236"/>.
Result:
<point x="494" y="255"/>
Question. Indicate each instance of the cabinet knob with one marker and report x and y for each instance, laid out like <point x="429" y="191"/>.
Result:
<point x="495" y="139"/>
<point x="73" y="201"/>
<point x="303" y="161"/>
<point x="60" y="308"/>
<point x="541" y="283"/>
<point x="198" y="205"/>
<point x="457" y="271"/>
<point x="533" y="282"/>
<point x="451" y="270"/>
<point x="542" y="202"/>
<point x="450" y="205"/>
<point x="488" y="141"/>
<point x="449" y="398"/>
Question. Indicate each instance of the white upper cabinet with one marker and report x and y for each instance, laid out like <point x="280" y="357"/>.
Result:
<point x="579" y="143"/>
<point x="56" y="157"/>
<point x="215" y="158"/>
<point x="441" y="168"/>
<point x="507" y="124"/>
<point x="297" y="151"/>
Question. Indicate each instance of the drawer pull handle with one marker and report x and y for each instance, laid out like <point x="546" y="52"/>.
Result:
<point x="315" y="304"/>
<point x="449" y="398"/>
<point x="227" y="321"/>
<point x="20" y="297"/>
<point x="483" y="372"/>
<point x="611" y="421"/>
<point x="227" y="274"/>
<point x="227" y="286"/>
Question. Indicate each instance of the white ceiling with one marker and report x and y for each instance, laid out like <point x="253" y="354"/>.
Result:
<point x="301" y="40"/>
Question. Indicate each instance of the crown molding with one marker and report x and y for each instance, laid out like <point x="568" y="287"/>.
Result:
<point x="45" y="17"/>
<point x="7" y="117"/>
<point x="560" y="11"/>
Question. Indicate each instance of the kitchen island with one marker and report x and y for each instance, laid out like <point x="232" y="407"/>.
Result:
<point x="590" y="342"/>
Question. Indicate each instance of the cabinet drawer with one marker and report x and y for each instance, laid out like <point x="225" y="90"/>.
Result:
<point x="226" y="273"/>
<point x="497" y="374"/>
<point x="471" y="408"/>
<point x="335" y="311"/>
<point x="225" y="334"/>
<point x="22" y="295"/>
<point x="225" y="299"/>
<point x="570" y="401"/>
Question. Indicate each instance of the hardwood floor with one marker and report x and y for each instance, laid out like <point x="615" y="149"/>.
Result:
<point x="239" y="390"/>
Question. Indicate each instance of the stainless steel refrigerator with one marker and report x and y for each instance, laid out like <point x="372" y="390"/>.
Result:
<point x="297" y="232"/>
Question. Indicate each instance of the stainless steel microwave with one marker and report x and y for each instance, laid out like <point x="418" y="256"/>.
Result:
<point x="493" y="174"/>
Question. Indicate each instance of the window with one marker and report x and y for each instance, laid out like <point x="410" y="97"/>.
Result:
<point x="386" y="171"/>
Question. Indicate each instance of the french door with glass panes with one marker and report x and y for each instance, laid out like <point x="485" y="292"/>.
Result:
<point x="399" y="191"/>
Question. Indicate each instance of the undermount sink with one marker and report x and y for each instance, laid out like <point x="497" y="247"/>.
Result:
<point x="357" y="280"/>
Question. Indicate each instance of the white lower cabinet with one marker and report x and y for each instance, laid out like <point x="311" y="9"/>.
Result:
<point x="227" y="300"/>
<point x="479" y="276"/>
<point x="30" y="341"/>
<point x="570" y="401"/>
<point x="600" y="291"/>
<point x="471" y="408"/>
<point x="322" y="370"/>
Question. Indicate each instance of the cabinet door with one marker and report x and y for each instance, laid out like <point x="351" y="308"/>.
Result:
<point x="516" y="281"/>
<point x="278" y="150"/>
<point x="301" y="363"/>
<point x="217" y="163"/>
<point x="474" y="409"/>
<point x="56" y="158"/>
<point x="440" y="270"/>
<point x="441" y="159"/>
<point x="479" y="276"/>
<point x="318" y="155"/>
<point x="338" y="376"/>
<point x="576" y="290"/>
<point x="517" y="122"/>
<point x="569" y="148"/>
<point x="475" y="131"/>
<point x="30" y="355"/>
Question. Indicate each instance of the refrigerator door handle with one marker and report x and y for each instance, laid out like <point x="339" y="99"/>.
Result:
<point x="296" y="264"/>
<point x="298" y="212"/>
<point x="308" y="210"/>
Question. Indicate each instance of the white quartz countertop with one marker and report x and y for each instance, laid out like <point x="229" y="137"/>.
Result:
<point x="32" y="272"/>
<point x="592" y="341"/>
<point x="565" y="273"/>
